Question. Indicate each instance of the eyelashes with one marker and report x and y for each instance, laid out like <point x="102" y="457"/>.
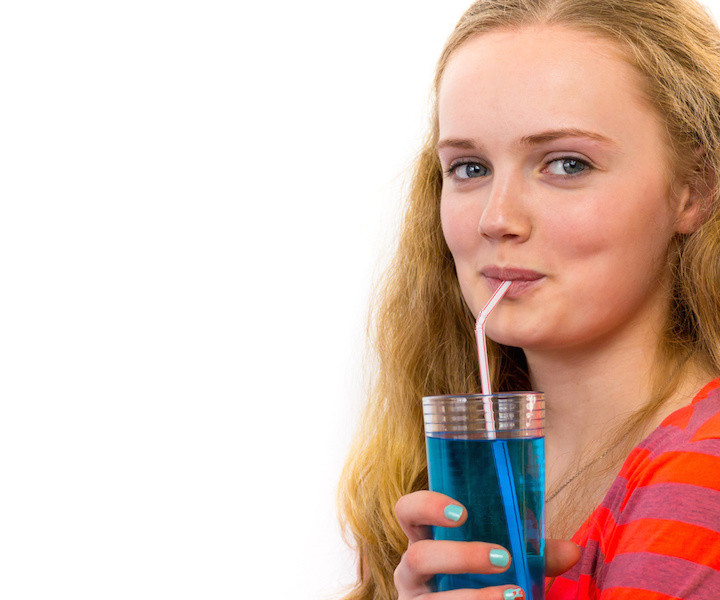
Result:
<point x="467" y="169"/>
<point x="571" y="166"/>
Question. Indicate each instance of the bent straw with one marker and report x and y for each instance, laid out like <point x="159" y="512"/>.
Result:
<point x="482" y="354"/>
<point x="500" y="450"/>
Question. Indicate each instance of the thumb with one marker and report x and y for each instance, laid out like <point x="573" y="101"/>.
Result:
<point x="560" y="555"/>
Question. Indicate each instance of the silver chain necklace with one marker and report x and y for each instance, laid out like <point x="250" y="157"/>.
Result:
<point x="577" y="474"/>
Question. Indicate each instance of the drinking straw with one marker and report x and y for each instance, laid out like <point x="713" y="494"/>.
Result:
<point x="482" y="354"/>
<point x="500" y="449"/>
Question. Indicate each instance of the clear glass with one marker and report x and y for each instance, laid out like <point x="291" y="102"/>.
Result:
<point x="487" y="452"/>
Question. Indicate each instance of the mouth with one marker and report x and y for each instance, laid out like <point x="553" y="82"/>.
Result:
<point x="522" y="279"/>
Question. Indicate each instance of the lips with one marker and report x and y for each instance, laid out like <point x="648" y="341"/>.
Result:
<point x="523" y="279"/>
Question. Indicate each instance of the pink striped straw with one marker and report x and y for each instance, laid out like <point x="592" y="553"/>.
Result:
<point x="482" y="353"/>
<point x="501" y="456"/>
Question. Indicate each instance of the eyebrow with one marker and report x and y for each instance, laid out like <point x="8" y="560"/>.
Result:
<point x="531" y="140"/>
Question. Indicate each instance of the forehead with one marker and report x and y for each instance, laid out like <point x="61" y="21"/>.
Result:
<point x="541" y="77"/>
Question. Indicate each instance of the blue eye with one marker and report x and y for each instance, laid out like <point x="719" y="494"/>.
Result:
<point x="467" y="170"/>
<point x="567" y="166"/>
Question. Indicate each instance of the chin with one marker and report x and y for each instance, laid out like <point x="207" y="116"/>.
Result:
<point x="527" y="340"/>
<point x="511" y="340"/>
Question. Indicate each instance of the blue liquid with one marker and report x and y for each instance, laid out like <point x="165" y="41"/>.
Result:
<point x="465" y="471"/>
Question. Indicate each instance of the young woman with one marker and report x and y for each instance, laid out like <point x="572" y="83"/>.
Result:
<point x="573" y="149"/>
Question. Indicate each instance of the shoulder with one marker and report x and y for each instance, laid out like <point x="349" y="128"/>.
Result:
<point x="670" y="484"/>
<point x="700" y="419"/>
<point x="657" y="531"/>
<point x="658" y="528"/>
<point x="684" y="449"/>
<point x="665" y="516"/>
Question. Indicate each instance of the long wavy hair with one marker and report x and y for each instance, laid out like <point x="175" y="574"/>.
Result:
<point x="421" y="328"/>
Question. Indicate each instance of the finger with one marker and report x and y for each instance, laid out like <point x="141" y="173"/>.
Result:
<point x="560" y="555"/>
<point x="418" y="510"/>
<point x="426" y="558"/>
<point x="489" y="593"/>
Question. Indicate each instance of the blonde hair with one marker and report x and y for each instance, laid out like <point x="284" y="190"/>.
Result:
<point x="423" y="332"/>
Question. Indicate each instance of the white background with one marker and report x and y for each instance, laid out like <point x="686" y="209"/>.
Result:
<point x="194" y="200"/>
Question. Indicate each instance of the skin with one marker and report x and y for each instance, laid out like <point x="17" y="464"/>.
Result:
<point x="554" y="162"/>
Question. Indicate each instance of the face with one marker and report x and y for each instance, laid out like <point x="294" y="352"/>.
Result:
<point x="556" y="175"/>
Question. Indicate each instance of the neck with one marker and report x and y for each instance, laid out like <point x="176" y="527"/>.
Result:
<point x="588" y="391"/>
<point x="591" y="389"/>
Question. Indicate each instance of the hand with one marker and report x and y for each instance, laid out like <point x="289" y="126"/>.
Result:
<point x="426" y="557"/>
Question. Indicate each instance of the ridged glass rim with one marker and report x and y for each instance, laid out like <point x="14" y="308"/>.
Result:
<point x="479" y="395"/>
<point x="514" y="414"/>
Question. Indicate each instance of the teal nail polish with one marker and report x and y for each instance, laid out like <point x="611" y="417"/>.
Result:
<point x="499" y="558"/>
<point x="453" y="512"/>
<point x="513" y="594"/>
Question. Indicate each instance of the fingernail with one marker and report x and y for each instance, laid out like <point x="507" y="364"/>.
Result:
<point x="453" y="512"/>
<point x="499" y="558"/>
<point x="513" y="593"/>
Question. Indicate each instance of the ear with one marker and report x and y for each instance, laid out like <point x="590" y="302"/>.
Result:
<point x="696" y="195"/>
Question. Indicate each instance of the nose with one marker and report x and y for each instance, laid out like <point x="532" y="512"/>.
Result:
<point x="505" y="216"/>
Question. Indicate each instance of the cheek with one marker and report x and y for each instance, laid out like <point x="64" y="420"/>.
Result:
<point x="586" y="237"/>
<point x="459" y="226"/>
<point x="616" y="221"/>
<point x="574" y="232"/>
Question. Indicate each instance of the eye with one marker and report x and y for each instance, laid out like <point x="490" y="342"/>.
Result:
<point x="467" y="170"/>
<point x="567" y="166"/>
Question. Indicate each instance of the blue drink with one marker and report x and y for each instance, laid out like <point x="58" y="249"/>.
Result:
<point x="488" y="453"/>
<point x="464" y="469"/>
